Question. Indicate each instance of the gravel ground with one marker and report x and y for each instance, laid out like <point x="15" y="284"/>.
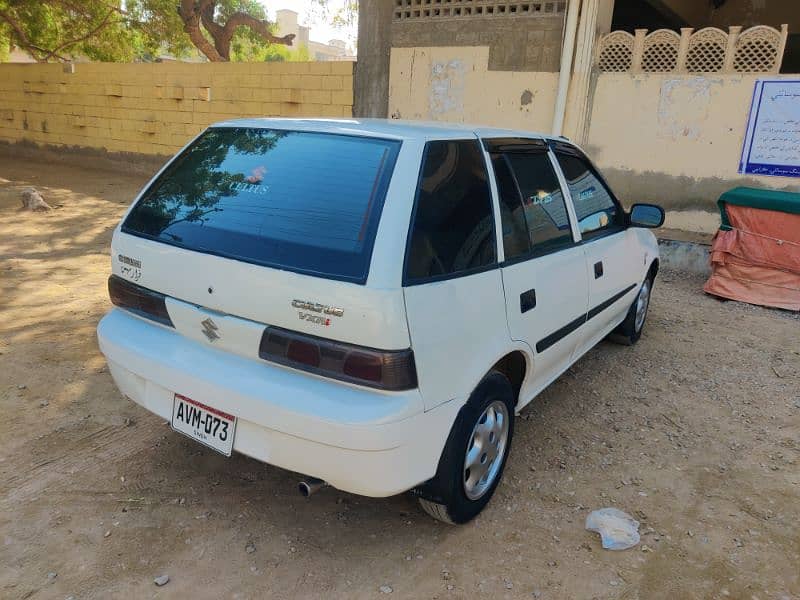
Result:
<point x="695" y="431"/>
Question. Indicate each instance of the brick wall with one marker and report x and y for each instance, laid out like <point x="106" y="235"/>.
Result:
<point x="157" y="108"/>
<point x="519" y="43"/>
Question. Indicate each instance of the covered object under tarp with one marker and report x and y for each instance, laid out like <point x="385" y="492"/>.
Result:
<point x="755" y="256"/>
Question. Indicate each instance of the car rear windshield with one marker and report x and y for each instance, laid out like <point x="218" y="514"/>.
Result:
<point x="296" y="200"/>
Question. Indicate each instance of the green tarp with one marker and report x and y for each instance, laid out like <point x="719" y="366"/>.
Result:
<point x="788" y="202"/>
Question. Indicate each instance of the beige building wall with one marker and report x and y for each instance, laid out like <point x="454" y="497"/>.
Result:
<point x="158" y="108"/>
<point x="674" y="140"/>
<point x="455" y="84"/>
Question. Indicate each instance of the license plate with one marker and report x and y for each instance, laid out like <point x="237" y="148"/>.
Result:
<point x="207" y="425"/>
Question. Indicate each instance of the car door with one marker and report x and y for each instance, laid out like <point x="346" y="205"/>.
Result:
<point x="451" y="280"/>
<point x="612" y="256"/>
<point x="544" y="269"/>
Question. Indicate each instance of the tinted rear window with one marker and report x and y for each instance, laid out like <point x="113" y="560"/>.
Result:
<point x="307" y="202"/>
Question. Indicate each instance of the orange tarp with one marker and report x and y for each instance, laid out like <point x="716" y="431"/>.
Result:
<point x="758" y="260"/>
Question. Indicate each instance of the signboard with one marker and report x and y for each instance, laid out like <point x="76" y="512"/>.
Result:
<point x="772" y="141"/>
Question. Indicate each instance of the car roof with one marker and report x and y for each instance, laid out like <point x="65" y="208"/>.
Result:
<point x="383" y="128"/>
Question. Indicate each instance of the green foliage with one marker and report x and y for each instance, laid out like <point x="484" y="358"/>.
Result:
<point x="341" y="13"/>
<point x="5" y="42"/>
<point x="245" y="52"/>
<point x="136" y="30"/>
<point x="95" y="29"/>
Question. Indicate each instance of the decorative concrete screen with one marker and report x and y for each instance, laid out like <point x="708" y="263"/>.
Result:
<point x="706" y="52"/>
<point x="436" y="9"/>
<point x="660" y="51"/>
<point x="616" y="52"/>
<point x="757" y="50"/>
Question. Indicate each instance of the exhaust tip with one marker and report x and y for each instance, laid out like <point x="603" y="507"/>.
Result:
<point x="310" y="486"/>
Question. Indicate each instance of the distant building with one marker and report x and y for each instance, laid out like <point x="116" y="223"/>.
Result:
<point x="17" y="55"/>
<point x="334" y="50"/>
<point x="20" y="55"/>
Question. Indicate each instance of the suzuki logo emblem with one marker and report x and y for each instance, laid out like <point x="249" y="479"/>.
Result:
<point x="210" y="330"/>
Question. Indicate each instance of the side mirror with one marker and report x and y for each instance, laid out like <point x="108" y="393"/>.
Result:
<point x="646" y="215"/>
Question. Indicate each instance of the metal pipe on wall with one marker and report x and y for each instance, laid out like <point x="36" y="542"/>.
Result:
<point x="567" y="54"/>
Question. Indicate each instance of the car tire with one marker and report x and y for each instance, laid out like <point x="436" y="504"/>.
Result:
<point x="630" y="330"/>
<point x="475" y="454"/>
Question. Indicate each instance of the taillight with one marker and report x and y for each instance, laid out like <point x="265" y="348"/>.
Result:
<point x="145" y="303"/>
<point x="383" y="369"/>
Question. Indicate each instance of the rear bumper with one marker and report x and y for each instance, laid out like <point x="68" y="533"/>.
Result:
<point x="362" y="441"/>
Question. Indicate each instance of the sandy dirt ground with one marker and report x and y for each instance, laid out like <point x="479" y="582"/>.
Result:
<point x="695" y="431"/>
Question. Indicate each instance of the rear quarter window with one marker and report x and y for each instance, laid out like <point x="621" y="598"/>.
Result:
<point x="452" y="232"/>
<point x="301" y="201"/>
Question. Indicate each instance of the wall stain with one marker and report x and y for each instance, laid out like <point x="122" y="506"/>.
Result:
<point x="683" y="106"/>
<point x="447" y="88"/>
<point x="526" y="98"/>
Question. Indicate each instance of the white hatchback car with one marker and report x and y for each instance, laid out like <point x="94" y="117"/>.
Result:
<point x="370" y="302"/>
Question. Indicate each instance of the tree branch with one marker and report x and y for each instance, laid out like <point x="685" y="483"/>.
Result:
<point x="124" y="15"/>
<point x="103" y="24"/>
<point x="189" y="13"/>
<point x="261" y="28"/>
<point x="216" y="30"/>
<point x="44" y="54"/>
<point x="22" y="38"/>
<point x="206" y="10"/>
<point x="240" y="19"/>
<point x="201" y="12"/>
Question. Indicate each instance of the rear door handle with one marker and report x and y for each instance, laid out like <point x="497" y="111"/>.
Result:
<point x="598" y="270"/>
<point x="527" y="301"/>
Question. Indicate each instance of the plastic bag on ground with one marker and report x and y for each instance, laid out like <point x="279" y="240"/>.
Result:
<point x="618" y="530"/>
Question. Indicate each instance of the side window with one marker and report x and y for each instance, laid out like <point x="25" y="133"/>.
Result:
<point x="516" y="241"/>
<point x="595" y="207"/>
<point x="531" y="198"/>
<point x="543" y="202"/>
<point x="453" y="228"/>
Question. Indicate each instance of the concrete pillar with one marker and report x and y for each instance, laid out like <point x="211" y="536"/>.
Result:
<point x="683" y="49"/>
<point x="605" y="15"/>
<point x="595" y="20"/>
<point x="371" y="82"/>
<point x="639" y="36"/>
<point x="730" y="51"/>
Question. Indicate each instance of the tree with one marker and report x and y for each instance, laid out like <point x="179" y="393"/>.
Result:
<point x="37" y="27"/>
<point x="344" y="13"/>
<point x="109" y="30"/>
<point x="124" y="30"/>
<point x="220" y="20"/>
